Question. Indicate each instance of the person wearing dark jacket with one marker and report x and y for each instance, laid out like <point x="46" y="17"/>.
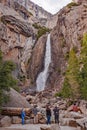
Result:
<point x="48" y="115"/>
<point x="56" y="114"/>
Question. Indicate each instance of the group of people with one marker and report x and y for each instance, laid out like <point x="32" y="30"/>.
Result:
<point x="35" y="111"/>
<point x="48" y="115"/>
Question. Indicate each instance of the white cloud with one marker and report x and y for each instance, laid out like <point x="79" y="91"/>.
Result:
<point x="52" y="6"/>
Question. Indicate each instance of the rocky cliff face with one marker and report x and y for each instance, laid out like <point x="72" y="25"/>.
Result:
<point x="15" y="37"/>
<point x="26" y="8"/>
<point x="68" y="33"/>
<point x="52" y="21"/>
<point x="37" y="60"/>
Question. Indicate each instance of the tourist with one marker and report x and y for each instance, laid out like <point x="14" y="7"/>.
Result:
<point x="23" y="116"/>
<point x="35" y="111"/>
<point x="76" y="108"/>
<point x="56" y="114"/>
<point x="48" y="115"/>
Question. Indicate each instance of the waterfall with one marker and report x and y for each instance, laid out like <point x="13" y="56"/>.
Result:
<point x="42" y="77"/>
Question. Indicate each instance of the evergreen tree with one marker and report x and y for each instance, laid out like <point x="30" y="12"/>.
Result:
<point x="83" y="72"/>
<point x="6" y="79"/>
<point x="66" y="91"/>
<point x="72" y="74"/>
<point x="71" y="88"/>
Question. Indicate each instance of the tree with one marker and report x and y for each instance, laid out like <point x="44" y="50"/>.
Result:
<point x="71" y="87"/>
<point x="83" y="72"/>
<point x="6" y="78"/>
<point x="72" y="73"/>
<point x="66" y="91"/>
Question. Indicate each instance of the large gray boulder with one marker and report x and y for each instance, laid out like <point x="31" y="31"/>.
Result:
<point x="17" y="100"/>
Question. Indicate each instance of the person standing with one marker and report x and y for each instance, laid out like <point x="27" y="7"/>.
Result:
<point x="48" y="115"/>
<point x="23" y="116"/>
<point x="56" y="114"/>
<point x="35" y="111"/>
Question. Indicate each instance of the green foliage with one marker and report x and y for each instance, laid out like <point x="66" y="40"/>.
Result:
<point x="66" y="56"/>
<point x="0" y="56"/>
<point x="35" y="25"/>
<point x="71" y="84"/>
<point x="41" y="30"/>
<point x="72" y="4"/>
<point x="83" y="72"/>
<point x="66" y="91"/>
<point x="63" y="42"/>
<point x="6" y="79"/>
<point x="72" y="73"/>
<point x="75" y="83"/>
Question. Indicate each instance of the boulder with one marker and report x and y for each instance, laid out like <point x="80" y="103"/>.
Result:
<point x="19" y="101"/>
<point x="73" y="123"/>
<point x="5" y="121"/>
<point x="45" y="128"/>
<point x="16" y="120"/>
<point x="68" y="122"/>
<point x="42" y="121"/>
<point x="41" y="118"/>
<point x="82" y="122"/>
<point x="75" y="115"/>
<point x="30" y="98"/>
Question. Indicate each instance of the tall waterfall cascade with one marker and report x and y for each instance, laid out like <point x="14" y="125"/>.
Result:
<point x="42" y="77"/>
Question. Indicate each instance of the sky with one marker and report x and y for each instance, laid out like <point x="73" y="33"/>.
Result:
<point x="52" y="6"/>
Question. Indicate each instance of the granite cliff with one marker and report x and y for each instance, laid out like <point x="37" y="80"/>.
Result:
<point x="68" y="33"/>
<point x="18" y="38"/>
<point x="17" y="33"/>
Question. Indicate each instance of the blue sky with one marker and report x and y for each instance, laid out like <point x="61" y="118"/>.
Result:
<point x="52" y="6"/>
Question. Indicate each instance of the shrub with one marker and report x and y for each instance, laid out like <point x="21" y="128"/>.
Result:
<point x="70" y="5"/>
<point x="41" y="30"/>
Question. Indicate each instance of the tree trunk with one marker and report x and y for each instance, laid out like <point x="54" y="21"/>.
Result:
<point x="14" y="111"/>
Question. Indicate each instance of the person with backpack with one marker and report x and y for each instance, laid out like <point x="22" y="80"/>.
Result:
<point x="56" y="114"/>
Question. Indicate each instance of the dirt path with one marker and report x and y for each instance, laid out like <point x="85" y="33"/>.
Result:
<point x="10" y="129"/>
<point x="34" y="127"/>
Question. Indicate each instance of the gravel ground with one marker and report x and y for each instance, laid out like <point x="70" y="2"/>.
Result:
<point x="34" y="127"/>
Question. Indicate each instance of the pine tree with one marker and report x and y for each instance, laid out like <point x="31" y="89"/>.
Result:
<point x="83" y="72"/>
<point x="66" y="91"/>
<point x="6" y="79"/>
<point x="72" y="74"/>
